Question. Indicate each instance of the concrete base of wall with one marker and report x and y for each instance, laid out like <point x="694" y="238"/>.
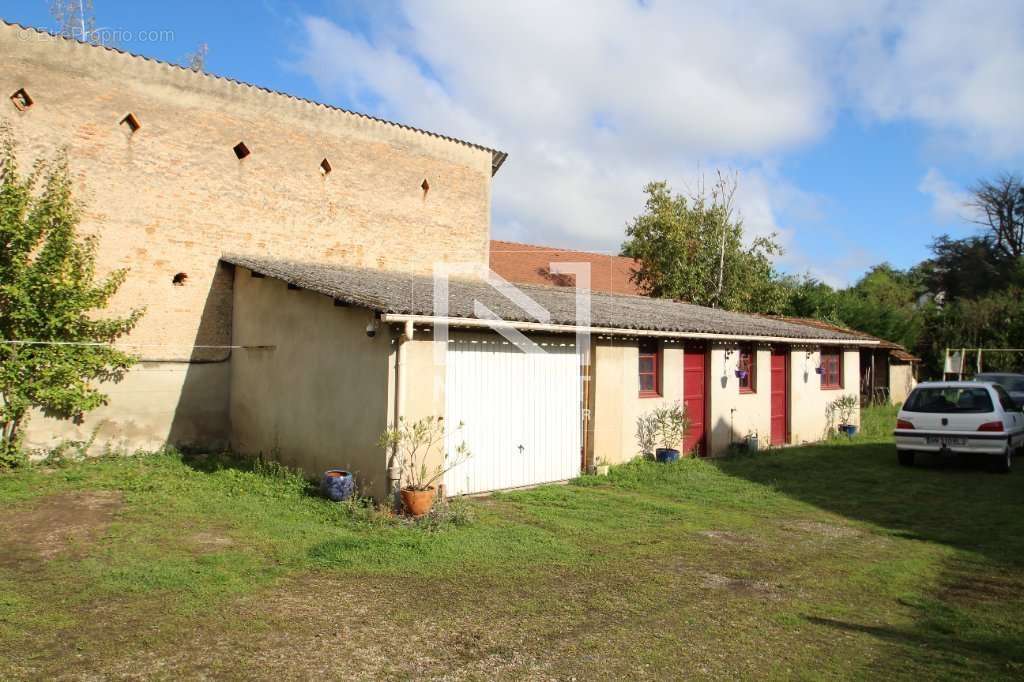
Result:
<point x="154" y="405"/>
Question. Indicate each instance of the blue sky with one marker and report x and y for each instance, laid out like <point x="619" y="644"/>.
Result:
<point x="855" y="130"/>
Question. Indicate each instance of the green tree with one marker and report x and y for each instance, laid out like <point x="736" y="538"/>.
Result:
<point x="809" y="297"/>
<point x="54" y="349"/>
<point x="693" y="249"/>
<point x="884" y="302"/>
<point x="995" y="320"/>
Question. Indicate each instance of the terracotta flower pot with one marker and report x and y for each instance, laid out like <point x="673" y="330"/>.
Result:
<point x="417" y="502"/>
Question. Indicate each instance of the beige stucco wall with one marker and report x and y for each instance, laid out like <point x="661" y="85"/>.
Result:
<point x="731" y="415"/>
<point x="183" y="404"/>
<point x="423" y="393"/>
<point x="173" y="197"/>
<point x="809" y="400"/>
<point x="318" y="399"/>
<point x="615" y="396"/>
<point x="901" y="382"/>
<point x="736" y="415"/>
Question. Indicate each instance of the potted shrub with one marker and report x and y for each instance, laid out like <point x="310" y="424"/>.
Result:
<point x="337" y="485"/>
<point x="412" y="445"/>
<point x="646" y="434"/>
<point x="601" y="468"/>
<point x="842" y="409"/>
<point x="741" y="374"/>
<point x="671" y="425"/>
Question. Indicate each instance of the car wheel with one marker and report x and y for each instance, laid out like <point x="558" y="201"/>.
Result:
<point x="906" y="457"/>
<point x="1002" y="463"/>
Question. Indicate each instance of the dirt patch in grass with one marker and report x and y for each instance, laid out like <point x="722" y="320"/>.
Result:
<point x="727" y="537"/>
<point x="820" y="529"/>
<point x="974" y="588"/>
<point x="210" y="540"/>
<point x="741" y="586"/>
<point x="56" y="526"/>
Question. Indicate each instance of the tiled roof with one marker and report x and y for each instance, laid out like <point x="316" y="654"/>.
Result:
<point x="895" y="349"/>
<point x="497" y="157"/>
<point x="398" y="293"/>
<point x="530" y="264"/>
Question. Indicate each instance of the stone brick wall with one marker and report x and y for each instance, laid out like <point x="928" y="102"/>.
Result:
<point x="172" y="196"/>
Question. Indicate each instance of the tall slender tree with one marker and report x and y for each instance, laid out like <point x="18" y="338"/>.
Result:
<point x="55" y="347"/>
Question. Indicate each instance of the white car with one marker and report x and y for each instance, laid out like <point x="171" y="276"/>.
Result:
<point x="969" y="417"/>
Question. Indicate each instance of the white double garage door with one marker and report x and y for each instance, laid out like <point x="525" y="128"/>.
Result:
<point x="520" y="413"/>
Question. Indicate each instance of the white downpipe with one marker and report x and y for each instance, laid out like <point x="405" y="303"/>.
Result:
<point x="567" y="328"/>
<point x="394" y="478"/>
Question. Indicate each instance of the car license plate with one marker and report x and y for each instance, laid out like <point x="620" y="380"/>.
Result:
<point x="945" y="442"/>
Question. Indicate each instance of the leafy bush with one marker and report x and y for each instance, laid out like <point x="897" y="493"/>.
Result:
<point x="412" y="444"/>
<point x="646" y="434"/>
<point x="841" y="408"/>
<point x="457" y="511"/>
<point x="57" y="350"/>
<point x="671" y="424"/>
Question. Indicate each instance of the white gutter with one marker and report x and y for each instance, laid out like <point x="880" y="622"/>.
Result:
<point x="572" y="329"/>
<point x="394" y="476"/>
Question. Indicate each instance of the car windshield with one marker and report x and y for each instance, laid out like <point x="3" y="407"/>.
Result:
<point x="949" y="400"/>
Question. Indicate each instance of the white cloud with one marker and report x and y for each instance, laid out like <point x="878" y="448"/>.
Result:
<point x="954" y="66"/>
<point x="949" y="202"/>
<point x="594" y="99"/>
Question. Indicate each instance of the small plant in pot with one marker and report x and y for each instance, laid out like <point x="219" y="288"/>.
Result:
<point x="414" y="446"/>
<point x="601" y="467"/>
<point x="842" y="409"/>
<point x="671" y="425"/>
<point x="646" y="435"/>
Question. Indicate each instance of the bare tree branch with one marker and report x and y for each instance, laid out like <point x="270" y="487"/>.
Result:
<point x="1000" y="207"/>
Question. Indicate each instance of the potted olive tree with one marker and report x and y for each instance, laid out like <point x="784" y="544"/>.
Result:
<point x="671" y="425"/>
<point x="646" y="434"/>
<point x="842" y="409"/>
<point x="413" y="444"/>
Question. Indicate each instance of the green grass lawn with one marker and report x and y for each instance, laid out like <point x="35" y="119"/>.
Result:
<point x="811" y="562"/>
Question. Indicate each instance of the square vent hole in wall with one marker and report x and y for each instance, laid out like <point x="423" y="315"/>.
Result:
<point x="130" y="124"/>
<point x="21" y="99"/>
<point x="241" y="151"/>
<point x="325" y="167"/>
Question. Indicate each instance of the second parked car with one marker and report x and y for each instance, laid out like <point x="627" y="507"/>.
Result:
<point x="948" y="417"/>
<point x="1013" y="383"/>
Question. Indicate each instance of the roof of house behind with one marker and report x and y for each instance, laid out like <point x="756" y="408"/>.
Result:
<point x="398" y="293"/>
<point x="530" y="264"/>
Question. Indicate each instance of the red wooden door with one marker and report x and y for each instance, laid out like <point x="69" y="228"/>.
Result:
<point x="695" y="398"/>
<point x="780" y="396"/>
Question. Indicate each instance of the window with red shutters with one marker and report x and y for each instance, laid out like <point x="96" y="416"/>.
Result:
<point x="832" y="368"/>
<point x="747" y="363"/>
<point x="649" y="369"/>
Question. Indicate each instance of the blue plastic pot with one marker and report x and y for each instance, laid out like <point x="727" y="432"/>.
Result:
<point x="848" y="429"/>
<point x="337" y="485"/>
<point x="666" y="455"/>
